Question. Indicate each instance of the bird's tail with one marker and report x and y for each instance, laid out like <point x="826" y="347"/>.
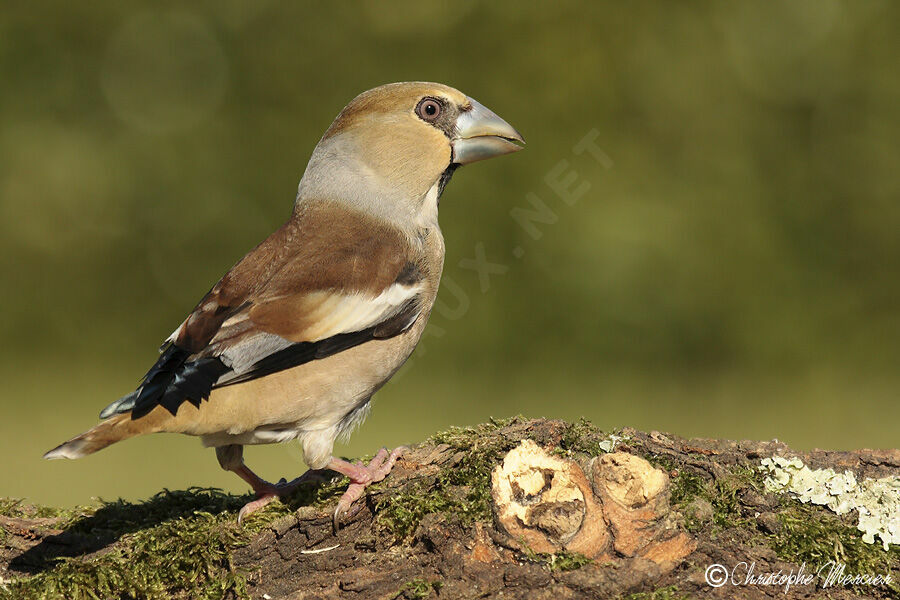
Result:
<point x="115" y="429"/>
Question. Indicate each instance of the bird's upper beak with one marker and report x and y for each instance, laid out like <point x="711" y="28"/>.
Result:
<point x="482" y="134"/>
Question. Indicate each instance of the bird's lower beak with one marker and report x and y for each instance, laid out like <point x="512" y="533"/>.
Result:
<point x="482" y="134"/>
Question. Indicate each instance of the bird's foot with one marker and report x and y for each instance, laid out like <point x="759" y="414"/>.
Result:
<point x="267" y="492"/>
<point x="254" y="505"/>
<point x="360" y="476"/>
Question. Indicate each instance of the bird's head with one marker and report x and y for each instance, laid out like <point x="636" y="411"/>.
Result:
<point x="398" y="141"/>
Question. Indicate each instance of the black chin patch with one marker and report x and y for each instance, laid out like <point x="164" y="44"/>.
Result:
<point x="445" y="179"/>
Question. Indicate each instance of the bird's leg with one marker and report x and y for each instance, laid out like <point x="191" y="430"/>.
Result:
<point x="265" y="492"/>
<point x="360" y="476"/>
<point x="231" y="459"/>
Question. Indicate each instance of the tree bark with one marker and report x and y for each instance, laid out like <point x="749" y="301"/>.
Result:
<point x="533" y="509"/>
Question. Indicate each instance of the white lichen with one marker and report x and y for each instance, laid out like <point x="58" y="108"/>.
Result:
<point x="877" y="501"/>
<point x="611" y="441"/>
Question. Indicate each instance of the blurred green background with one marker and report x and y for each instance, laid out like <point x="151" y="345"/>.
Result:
<point x="731" y="271"/>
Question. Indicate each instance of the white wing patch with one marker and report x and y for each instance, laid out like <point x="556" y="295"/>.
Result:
<point x="330" y="314"/>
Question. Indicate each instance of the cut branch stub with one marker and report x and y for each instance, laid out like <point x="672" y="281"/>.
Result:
<point x="547" y="504"/>
<point x="635" y="499"/>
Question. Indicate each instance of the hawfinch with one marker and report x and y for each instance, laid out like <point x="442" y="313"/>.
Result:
<point x="296" y="338"/>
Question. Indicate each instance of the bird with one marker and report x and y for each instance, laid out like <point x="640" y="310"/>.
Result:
<point x="295" y="339"/>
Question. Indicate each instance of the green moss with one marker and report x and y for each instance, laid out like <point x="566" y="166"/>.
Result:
<point x="402" y="512"/>
<point x="581" y="437"/>
<point x="9" y="507"/>
<point x="815" y="536"/>
<point x="462" y="490"/>
<point x="121" y="517"/>
<point x="722" y="494"/>
<point x="660" y="461"/>
<point x="568" y="561"/>
<point x="189" y="556"/>
<point x="417" y="589"/>
<point x="13" y="507"/>
<point x="557" y="561"/>
<point x="686" y="486"/>
<point x="726" y="504"/>
<point x="459" y="437"/>
<point x="177" y="544"/>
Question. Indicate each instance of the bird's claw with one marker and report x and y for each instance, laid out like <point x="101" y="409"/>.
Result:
<point x="342" y="511"/>
<point x="254" y="505"/>
<point x="377" y="469"/>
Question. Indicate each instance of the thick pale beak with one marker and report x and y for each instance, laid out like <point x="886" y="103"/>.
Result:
<point x="481" y="134"/>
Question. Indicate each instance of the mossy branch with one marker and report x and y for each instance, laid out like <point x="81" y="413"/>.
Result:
<point x="434" y="528"/>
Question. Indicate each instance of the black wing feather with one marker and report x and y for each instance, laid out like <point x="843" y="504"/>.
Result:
<point x="171" y="381"/>
<point x="304" y="352"/>
<point x="174" y="379"/>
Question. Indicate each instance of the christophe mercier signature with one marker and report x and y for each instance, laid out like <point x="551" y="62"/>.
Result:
<point x="830" y="575"/>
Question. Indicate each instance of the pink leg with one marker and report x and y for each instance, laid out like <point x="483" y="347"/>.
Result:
<point x="267" y="492"/>
<point x="361" y="476"/>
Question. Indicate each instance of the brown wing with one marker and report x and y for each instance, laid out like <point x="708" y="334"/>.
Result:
<point x="321" y="249"/>
<point x="326" y="280"/>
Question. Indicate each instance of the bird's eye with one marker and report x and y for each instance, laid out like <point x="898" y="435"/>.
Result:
<point x="428" y="109"/>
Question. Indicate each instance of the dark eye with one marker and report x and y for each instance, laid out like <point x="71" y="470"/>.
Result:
<point x="428" y="109"/>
